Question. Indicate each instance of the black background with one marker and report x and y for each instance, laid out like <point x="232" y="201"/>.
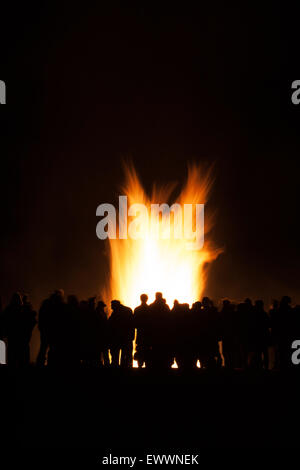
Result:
<point x="163" y="85"/>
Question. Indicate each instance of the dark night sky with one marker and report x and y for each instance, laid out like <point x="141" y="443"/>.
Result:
<point x="89" y="86"/>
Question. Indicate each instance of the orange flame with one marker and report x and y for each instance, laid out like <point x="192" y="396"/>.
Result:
<point x="150" y="265"/>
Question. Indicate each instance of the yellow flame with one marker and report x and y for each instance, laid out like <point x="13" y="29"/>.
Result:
<point x="165" y="265"/>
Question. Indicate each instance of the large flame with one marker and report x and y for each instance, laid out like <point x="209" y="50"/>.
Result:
<point x="165" y="265"/>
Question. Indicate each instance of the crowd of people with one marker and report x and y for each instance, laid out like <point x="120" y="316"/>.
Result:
<point x="74" y="333"/>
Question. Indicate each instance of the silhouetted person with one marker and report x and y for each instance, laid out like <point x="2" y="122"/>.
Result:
<point x="259" y="337"/>
<point x="72" y="327"/>
<point x="195" y="333"/>
<point x="230" y="332"/>
<point x="217" y="332"/>
<point x="102" y="321"/>
<point x="175" y="320"/>
<point x="121" y="334"/>
<point x="243" y="314"/>
<point x="160" y="326"/>
<point x="275" y="330"/>
<point x="184" y="329"/>
<point x="209" y="335"/>
<point x="245" y="310"/>
<point x="54" y="330"/>
<point x="18" y="321"/>
<point x="285" y="332"/>
<point x="91" y="334"/>
<point x="142" y="325"/>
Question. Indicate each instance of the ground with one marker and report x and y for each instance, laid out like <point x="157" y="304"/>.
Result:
<point x="124" y="409"/>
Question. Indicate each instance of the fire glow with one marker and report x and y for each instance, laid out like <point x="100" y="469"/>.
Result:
<point x="153" y="264"/>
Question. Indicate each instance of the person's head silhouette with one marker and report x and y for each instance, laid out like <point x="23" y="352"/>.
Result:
<point x="144" y="298"/>
<point x="158" y="296"/>
<point x="115" y="304"/>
